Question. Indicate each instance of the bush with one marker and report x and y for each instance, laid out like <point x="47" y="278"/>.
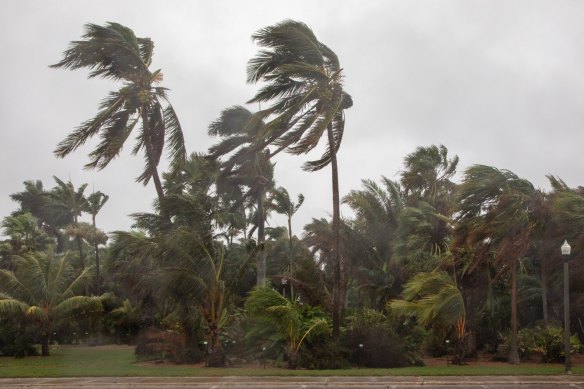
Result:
<point x="154" y="344"/>
<point x="385" y="343"/>
<point x="325" y="355"/>
<point x="545" y="343"/>
<point x="16" y="339"/>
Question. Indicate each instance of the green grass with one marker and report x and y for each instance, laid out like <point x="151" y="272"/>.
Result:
<point x="120" y="362"/>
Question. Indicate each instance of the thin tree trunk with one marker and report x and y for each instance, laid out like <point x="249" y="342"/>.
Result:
<point x="150" y="155"/>
<point x="336" y="314"/>
<point x="97" y="272"/>
<point x="261" y="265"/>
<point x="290" y="255"/>
<point x="514" y="351"/>
<point x="544" y="291"/>
<point x="45" y="345"/>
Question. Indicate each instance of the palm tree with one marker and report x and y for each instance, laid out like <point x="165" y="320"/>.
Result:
<point x="113" y="51"/>
<point x="34" y="199"/>
<point x="304" y="84"/>
<point x="282" y="203"/>
<point x="378" y="209"/>
<point x="495" y="223"/>
<point x="245" y="167"/>
<point x="46" y="288"/>
<point x="434" y="299"/>
<point x="95" y="202"/>
<point x="71" y="203"/>
<point x="429" y="197"/>
<point x="25" y="234"/>
<point x="286" y="316"/>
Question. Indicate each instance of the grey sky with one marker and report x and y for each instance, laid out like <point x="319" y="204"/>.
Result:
<point x="497" y="82"/>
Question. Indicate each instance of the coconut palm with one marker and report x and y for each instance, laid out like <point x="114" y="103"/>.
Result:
<point x="495" y="223"/>
<point x="46" y="288"/>
<point x="114" y="52"/>
<point x="303" y="83"/>
<point x="245" y="167"/>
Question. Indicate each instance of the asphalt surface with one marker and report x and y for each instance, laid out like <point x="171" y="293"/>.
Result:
<point x="458" y="382"/>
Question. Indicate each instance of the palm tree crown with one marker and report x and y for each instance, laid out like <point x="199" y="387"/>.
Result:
<point x="113" y="51"/>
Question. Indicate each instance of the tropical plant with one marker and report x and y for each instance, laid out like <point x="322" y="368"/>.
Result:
<point x="434" y="300"/>
<point x="245" y="167"/>
<point x="113" y="51"/>
<point x="377" y="210"/>
<point x="495" y="224"/>
<point x="304" y="84"/>
<point x="71" y="203"/>
<point x="287" y="318"/>
<point x="46" y="288"/>
<point x="25" y="234"/>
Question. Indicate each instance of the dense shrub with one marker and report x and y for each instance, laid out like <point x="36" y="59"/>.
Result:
<point x="16" y="339"/>
<point x="325" y="355"/>
<point x="154" y="344"/>
<point x="376" y="341"/>
<point x="546" y="343"/>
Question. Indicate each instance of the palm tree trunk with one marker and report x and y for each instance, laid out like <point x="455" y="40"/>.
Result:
<point x="261" y="265"/>
<point x="514" y="351"/>
<point x="97" y="273"/>
<point x="544" y="291"/>
<point x="45" y="343"/>
<point x="336" y="314"/>
<point x="150" y="155"/>
<point x="290" y="255"/>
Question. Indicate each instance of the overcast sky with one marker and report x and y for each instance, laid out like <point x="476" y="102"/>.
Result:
<point x="497" y="82"/>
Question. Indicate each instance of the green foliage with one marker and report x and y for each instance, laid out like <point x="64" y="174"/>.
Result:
<point x="293" y="322"/>
<point x="545" y="343"/>
<point x="376" y="341"/>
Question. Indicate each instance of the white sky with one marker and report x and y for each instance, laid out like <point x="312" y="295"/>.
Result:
<point x="497" y="82"/>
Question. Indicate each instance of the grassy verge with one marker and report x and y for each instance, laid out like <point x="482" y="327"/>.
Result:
<point x="120" y="362"/>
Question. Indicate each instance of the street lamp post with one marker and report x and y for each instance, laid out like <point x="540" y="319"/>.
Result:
<point x="567" y="357"/>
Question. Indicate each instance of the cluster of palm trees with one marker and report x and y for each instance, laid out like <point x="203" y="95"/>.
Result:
<point x="44" y="271"/>
<point x="449" y="255"/>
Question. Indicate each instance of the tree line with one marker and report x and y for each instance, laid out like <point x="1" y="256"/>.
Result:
<point x="425" y="263"/>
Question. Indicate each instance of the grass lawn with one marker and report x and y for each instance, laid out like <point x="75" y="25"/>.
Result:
<point x="120" y="361"/>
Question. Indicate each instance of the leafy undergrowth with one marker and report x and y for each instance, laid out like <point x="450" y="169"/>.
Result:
<point x="119" y="361"/>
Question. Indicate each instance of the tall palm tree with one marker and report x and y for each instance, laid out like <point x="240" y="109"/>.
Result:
<point x="46" y="288"/>
<point x="303" y="83"/>
<point x="95" y="202"/>
<point x="495" y="222"/>
<point x="244" y="167"/>
<point x="113" y="51"/>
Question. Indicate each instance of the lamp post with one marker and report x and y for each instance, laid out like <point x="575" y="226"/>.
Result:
<point x="567" y="358"/>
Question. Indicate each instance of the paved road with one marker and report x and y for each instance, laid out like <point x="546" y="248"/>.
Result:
<point x="531" y="382"/>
